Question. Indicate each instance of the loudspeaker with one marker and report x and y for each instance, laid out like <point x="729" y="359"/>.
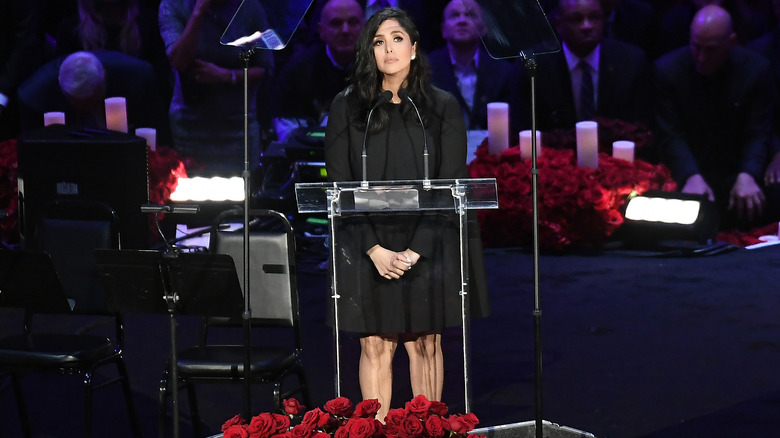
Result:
<point x="62" y="162"/>
<point x="527" y="429"/>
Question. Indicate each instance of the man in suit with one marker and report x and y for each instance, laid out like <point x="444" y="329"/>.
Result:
<point x="464" y="68"/>
<point x="311" y="78"/>
<point x="591" y="76"/>
<point x="714" y="110"/>
<point x="78" y="84"/>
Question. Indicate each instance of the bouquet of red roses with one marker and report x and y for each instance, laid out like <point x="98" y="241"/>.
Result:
<point x="420" y="418"/>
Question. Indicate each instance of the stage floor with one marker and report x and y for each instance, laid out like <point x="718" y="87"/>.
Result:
<point x="634" y="346"/>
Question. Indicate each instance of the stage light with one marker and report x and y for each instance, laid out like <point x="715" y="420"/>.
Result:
<point x="663" y="216"/>
<point x="209" y="189"/>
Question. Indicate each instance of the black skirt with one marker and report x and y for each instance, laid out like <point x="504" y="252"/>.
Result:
<point x="426" y="298"/>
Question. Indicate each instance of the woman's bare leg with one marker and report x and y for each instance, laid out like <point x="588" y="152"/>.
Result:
<point x="376" y="370"/>
<point x="426" y="364"/>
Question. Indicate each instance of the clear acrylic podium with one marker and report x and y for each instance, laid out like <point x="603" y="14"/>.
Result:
<point x="340" y="199"/>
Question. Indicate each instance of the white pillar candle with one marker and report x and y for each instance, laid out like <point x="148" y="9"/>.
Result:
<point x="150" y="134"/>
<point x="525" y="144"/>
<point x="623" y="149"/>
<point x="588" y="144"/>
<point x="116" y="114"/>
<point x="53" y="118"/>
<point x="498" y="126"/>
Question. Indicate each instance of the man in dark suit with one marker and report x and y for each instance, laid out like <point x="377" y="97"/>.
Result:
<point x="78" y="84"/>
<point x="591" y="76"/>
<point x="464" y="68"/>
<point x="311" y="79"/>
<point x="714" y="104"/>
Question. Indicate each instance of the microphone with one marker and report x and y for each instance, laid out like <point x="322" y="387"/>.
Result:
<point x="403" y="93"/>
<point x="385" y="97"/>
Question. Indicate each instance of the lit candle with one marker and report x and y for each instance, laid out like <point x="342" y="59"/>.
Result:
<point x="498" y="126"/>
<point x="150" y="134"/>
<point x="588" y="144"/>
<point x="116" y="114"/>
<point x="53" y="118"/>
<point x="623" y="149"/>
<point x="525" y="144"/>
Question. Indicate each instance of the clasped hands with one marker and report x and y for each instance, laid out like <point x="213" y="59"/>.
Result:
<point x="390" y="264"/>
<point x="746" y="196"/>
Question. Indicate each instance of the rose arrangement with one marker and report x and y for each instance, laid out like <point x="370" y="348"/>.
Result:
<point x="420" y="418"/>
<point x="577" y="206"/>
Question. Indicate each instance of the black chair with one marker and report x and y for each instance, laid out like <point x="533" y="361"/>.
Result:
<point x="61" y="279"/>
<point x="274" y="301"/>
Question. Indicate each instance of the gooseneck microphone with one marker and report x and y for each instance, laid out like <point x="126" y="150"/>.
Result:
<point x="385" y="97"/>
<point x="403" y="93"/>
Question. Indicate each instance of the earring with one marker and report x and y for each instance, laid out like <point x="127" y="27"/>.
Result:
<point x="413" y="56"/>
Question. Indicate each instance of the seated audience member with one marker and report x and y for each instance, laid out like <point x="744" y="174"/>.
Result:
<point x="207" y="109"/>
<point x="79" y="84"/>
<point x="464" y="68"/>
<point x="311" y="78"/>
<point x="121" y="26"/>
<point x="714" y="104"/>
<point x="632" y="21"/>
<point x="591" y="76"/>
<point x="21" y="53"/>
<point x="751" y="19"/>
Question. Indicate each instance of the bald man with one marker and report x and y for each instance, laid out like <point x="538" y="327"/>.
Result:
<point x="464" y="68"/>
<point x="713" y="113"/>
<point x="312" y="77"/>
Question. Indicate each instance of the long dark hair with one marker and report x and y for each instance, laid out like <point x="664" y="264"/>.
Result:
<point x="366" y="79"/>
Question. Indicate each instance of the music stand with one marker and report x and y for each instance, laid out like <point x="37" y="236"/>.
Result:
<point x="142" y="281"/>
<point x="275" y="22"/>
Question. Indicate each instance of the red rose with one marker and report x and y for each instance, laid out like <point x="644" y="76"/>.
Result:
<point x="412" y="425"/>
<point x="367" y="408"/>
<point x="462" y="424"/>
<point x="292" y="406"/>
<point x="341" y="433"/>
<point x="321" y="435"/>
<point x="237" y="420"/>
<point x="434" y="426"/>
<point x="394" y="420"/>
<point x="235" y="431"/>
<point x="281" y="423"/>
<point x="317" y="419"/>
<point x="419" y="406"/>
<point x="438" y="408"/>
<point x="359" y="428"/>
<point x="301" y="431"/>
<point x="340" y="406"/>
<point x="262" y="426"/>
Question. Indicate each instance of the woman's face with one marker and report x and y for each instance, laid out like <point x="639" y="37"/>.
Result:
<point x="393" y="49"/>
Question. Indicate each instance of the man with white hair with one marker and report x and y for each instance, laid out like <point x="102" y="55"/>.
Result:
<point x="78" y="85"/>
<point x="82" y="80"/>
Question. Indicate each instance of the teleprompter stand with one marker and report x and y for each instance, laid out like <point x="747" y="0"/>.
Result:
<point x="174" y="283"/>
<point x="388" y="197"/>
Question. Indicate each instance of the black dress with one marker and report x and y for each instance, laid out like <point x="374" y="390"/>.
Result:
<point x="427" y="297"/>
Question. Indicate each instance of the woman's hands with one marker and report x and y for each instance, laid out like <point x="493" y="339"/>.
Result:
<point x="390" y="264"/>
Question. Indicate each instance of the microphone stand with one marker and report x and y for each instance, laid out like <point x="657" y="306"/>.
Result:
<point x="245" y="55"/>
<point x="530" y="64"/>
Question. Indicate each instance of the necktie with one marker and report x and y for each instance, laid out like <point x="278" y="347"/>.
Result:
<point x="587" y="101"/>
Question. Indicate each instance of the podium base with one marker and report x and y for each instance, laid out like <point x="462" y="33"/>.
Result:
<point x="527" y="429"/>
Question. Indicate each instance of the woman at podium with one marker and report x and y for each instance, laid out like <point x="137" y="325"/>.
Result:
<point x="398" y="273"/>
